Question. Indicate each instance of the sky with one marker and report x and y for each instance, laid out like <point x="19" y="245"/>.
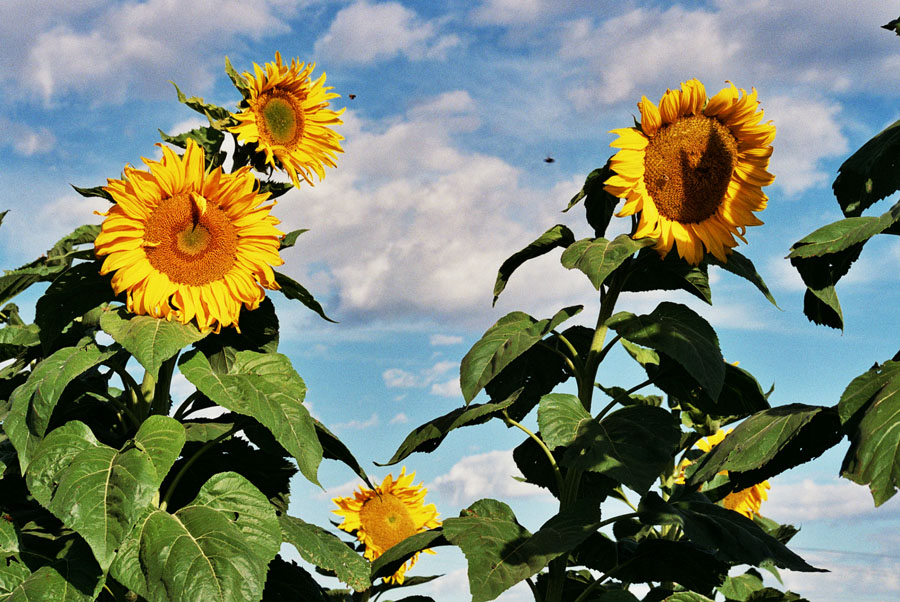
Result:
<point x="457" y="104"/>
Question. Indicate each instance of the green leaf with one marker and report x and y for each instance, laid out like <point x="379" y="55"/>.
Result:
<point x="680" y="333"/>
<point x="209" y="139"/>
<point x="736" y="538"/>
<point x="869" y="408"/>
<point x="289" y="239"/>
<point x="266" y="387"/>
<point x="598" y="258"/>
<point x="14" y="339"/>
<point x="287" y="581"/>
<point x="557" y="236"/>
<point x="325" y="550"/>
<point x="275" y="190"/>
<point x="215" y="549"/>
<point x="648" y="272"/>
<point x="9" y="541"/>
<point x="869" y="174"/>
<point x="13" y="572"/>
<point x="428" y="437"/>
<point x="213" y="112"/>
<point x="69" y="575"/>
<point x="97" y="491"/>
<point x="687" y="597"/>
<point x="768" y="443"/>
<point x="501" y="552"/>
<point x="739" y="265"/>
<point x="34" y="401"/>
<point x="396" y="556"/>
<point x="740" y="587"/>
<point x="510" y="337"/>
<point x="236" y="78"/>
<point x="96" y="191"/>
<point x="292" y="289"/>
<point x="150" y="340"/>
<point x="632" y="445"/>
<point x="843" y="234"/>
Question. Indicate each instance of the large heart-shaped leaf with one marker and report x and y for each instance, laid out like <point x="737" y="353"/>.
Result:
<point x="215" y="549"/>
<point x="598" y="257"/>
<point x="98" y="491"/>
<point x="266" y="387"/>
<point x="150" y="340"/>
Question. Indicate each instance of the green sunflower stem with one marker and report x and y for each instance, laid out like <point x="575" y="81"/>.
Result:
<point x="540" y="442"/>
<point x="162" y="401"/>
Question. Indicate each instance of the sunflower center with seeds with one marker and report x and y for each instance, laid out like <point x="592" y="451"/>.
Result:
<point x="386" y="520"/>
<point x="687" y="167"/>
<point x="188" y="247"/>
<point x="281" y="118"/>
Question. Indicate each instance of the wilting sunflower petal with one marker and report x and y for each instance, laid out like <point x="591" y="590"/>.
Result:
<point x="176" y="242"/>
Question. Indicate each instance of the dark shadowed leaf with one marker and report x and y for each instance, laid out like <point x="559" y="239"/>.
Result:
<point x="599" y="205"/>
<point x="869" y="174"/>
<point x="427" y="437"/>
<point x="663" y="560"/>
<point x="266" y="387"/>
<point x="510" y="337"/>
<point x="292" y="289"/>
<point x="215" y="549"/>
<point x="150" y="340"/>
<point x="680" y="333"/>
<point x="286" y="581"/>
<point x="598" y="258"/>
<point x="334" y="449"/>
<point x="739" y="265"/>
<point x="735" y="538"/>
<point x="768" y="443"/>
<point x="650" y="273"/>
<point x="325" y="550"/>
<point x="74" y="292"/>
<point x="557" y="236"/>
<point x="393" y="558"/>
<point x="72" y="577"/>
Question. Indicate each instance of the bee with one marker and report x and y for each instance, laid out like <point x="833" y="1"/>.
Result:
<point x="549" y="160"/>
<point x="351" y="96"/>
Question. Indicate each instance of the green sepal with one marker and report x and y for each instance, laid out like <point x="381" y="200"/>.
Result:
<point x="95" y="191"/>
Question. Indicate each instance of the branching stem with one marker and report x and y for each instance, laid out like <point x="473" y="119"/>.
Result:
<point x="556" y="471"/>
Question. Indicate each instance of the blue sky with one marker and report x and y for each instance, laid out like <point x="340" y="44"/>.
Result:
<point x="457" y="104"/>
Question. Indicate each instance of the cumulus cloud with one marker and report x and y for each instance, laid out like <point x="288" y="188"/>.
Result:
<point x="807" y="500"/>
<point x="484" y="475"/>
<point x="400" y="418"/>
<point x="365" y="32"/>
<point x="358" y="425"/>
<point x="438" y="340"/>
<point x="397" y="378"/>
<point x="136" y="48"/>
<point x="24" y="140"/>
<point x="448" y="388"/>
<point x="509" y="12"/>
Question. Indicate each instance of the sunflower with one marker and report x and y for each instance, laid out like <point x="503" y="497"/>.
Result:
<point x="286" y="115"/>
<point x="188" y="244"/>
<point x="384" y="516"/>
<point x="747" y="501"/>
<point x="694" y="169"/>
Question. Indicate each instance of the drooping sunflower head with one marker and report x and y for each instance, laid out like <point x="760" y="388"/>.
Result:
<point x="385" y="516"/>
<point x="694" y="169"/>
<point x="747" y="501"/>
<point x="189" y="245"/>
<point x="288" y="118"/>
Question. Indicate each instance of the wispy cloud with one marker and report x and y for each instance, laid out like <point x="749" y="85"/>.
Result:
<point x="484" y="475"/>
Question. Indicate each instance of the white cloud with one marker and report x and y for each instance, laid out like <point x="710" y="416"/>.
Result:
<point x="24" y="140"/>
<point x="438" y="340"/>
<point x="448" y="388"/>
<point x="358" y="425"/>
<point x="397" y="378"/>
<point x="807" y="500"/>
<point x="509" y="12"/>
<point x="484" y="475"/>
<point x="852" y="576"/>
<point x="807" y="132"/>
<point x="400" y="418"/>
<point x="364" y="33"/>
<point x="136" y="48"/>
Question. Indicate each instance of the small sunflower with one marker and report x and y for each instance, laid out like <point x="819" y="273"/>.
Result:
<point x="385" y="516"/>
<point x="694" y="169"/>
<point x="287" y="116"/>
<point x="747" y="501"/>
<point x="189" y="244"/>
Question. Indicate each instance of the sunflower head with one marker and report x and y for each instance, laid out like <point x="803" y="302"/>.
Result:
<point x="747" y="501"/>
<point x="385" y="516"/>
<point x="694" y="169"/>
<point x="187" y="244"/>
<point x="288" y="118"/>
